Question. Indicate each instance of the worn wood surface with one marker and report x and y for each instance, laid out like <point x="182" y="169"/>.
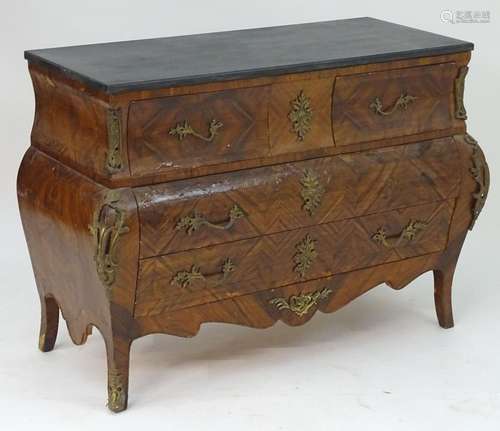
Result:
<point x="288" y="260"/>
<point x="74" y="144"/>
<point x="272" y="198"/>
<point x="243" y="132"/>
<point x="57" y="206"/>
<point x="268" y="261"/>
<point x="56" y="218"/>
<point x="282" y="137"/>
<point x="355" y="120"/>
<point x="254" y="309"/>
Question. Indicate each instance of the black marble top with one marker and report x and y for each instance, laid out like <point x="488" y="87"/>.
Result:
<point x="153" y="63"/>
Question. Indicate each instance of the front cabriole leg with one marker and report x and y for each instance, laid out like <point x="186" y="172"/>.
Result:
<point x="118" y="354"/>
<point x="83" y="241"/>
<point x="114" y="230"/>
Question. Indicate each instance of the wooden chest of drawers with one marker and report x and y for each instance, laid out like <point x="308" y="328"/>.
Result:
<point x="244" y="177"/>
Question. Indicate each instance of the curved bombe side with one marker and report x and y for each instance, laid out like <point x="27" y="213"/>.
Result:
<point x="59" y="210"/>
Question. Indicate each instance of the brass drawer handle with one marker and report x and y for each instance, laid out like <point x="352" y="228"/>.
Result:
<point x="409" y="233"/>
<point x="401" y="104"/>
<point x="301" y="304"/>
<point x="185" y="278"/>
<point x="194" y="221"/>
<point x="183" y="129"/>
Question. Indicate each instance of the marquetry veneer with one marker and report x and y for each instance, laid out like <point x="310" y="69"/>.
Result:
<point x="244" y="177"/>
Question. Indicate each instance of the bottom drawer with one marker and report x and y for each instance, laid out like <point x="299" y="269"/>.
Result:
<point x="210" y="274"/>
<point x="294" y="304"/>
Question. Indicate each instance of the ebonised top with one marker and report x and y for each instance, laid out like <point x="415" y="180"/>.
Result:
<point x="195" y="59"/>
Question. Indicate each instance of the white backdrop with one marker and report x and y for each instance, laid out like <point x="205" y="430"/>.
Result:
<point x="381" y="363"/>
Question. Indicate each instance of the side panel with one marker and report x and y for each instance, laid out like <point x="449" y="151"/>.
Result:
<point x="57" y="207"/>
<point x="78" y="129"/>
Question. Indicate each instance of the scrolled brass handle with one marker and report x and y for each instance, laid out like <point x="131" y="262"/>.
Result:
<point x="185" y="278"/>
<point x="194" y="221"/>
<point x="409" y="233"/>
<point x="401" y="104"/>
<point x="183" y="129"/>
<point x="301" y="304"/>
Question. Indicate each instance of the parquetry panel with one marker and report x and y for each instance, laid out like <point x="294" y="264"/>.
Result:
<point x="355" y="121"/>
<point x="267" y="262"/>
<point x="354" y="184"/>
<point x="243" y="135"/>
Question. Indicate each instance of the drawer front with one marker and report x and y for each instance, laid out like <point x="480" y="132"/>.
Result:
<point x="197" y="130"/>
<point x="210" y="274"/>
<point x="188" y="214"/>
<point x="293" y="304"/>
<point x="381" y="105"/>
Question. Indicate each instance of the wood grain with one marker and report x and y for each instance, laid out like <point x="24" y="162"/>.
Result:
<point x="88" y="157"/>
<point x="243" y="114"/>
<point x="255" y="310"/>
<point x="373" y="173"/>
<point x="70" y="126"/>
<point x="355" y="121"/>
<point x="268" y="261"/>
<point x="352" y="185"/>
<point x="79" y="321"/>
<point x="283" y="140"/>
<point x="57" y="206"/>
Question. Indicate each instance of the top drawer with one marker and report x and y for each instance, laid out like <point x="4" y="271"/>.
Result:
<point x="197" y="130"/>
<point x="288" y="118"/>
<point x="295" y="117"/>
<point x="184" y="132"/>
<point x="382" y="105"/>
<point x="139" y="138"/>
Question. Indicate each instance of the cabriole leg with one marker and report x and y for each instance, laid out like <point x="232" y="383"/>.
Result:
<point x="443" y="279"/>
<point x="49" y="323"/>
<point x="118" y="353"/>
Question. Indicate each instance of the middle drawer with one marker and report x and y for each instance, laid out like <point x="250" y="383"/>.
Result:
<point x="216" y="209"/>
